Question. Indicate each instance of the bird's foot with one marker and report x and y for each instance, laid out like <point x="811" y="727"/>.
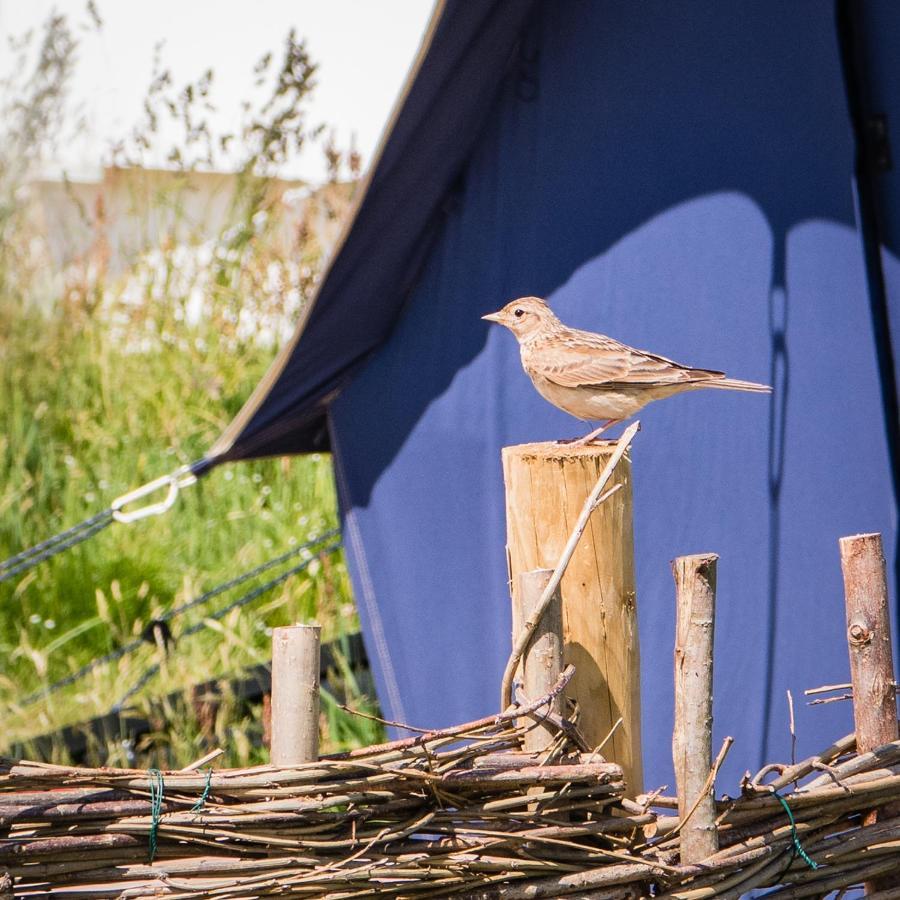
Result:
<point x="592" y="436"/>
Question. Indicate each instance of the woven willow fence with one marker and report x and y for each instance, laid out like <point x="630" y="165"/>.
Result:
<point x="457" y="813"/>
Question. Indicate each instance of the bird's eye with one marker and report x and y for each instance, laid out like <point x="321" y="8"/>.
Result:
<point x="518" y="313"/>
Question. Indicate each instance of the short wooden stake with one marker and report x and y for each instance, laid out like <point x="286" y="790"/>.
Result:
<point x="542" y="664"/>
<point x="869" y="640"/>
<point x="695" y="599"/>
<point x="295" y="694"/>
<point x="547" y="485"/>
<point x="871" y="655"/>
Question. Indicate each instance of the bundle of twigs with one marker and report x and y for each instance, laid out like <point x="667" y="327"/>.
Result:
<point x="459" y="812"/>
<point x="442" y="810"/>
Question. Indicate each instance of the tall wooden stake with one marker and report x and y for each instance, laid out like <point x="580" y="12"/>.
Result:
<point x="871" y="657"/>
<point x="542" y="664"/>
<point x="546" y="488"/>
<point x="295" y="694"/>
<point x="695" y="599"/>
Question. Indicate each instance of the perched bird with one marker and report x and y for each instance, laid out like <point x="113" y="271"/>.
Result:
<point x="594" y="377"/>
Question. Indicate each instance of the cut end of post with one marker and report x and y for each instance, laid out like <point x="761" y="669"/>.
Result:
<point x="571" y="449"/>
<point x="550" y="450"/>
<point x="284" y="631"/>
<point x="854" y="538"/>
<point x="860" y="546"/>
<point x="700" y="565"/>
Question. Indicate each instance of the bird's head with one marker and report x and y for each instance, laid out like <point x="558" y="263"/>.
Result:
<point x="525" y="318"/>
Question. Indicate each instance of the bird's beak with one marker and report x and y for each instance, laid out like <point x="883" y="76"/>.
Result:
<point x="492" y="317"/>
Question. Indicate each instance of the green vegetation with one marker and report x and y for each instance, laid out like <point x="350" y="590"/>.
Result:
<point x="113" y="373"/>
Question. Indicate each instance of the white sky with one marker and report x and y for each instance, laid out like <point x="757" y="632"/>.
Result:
<point x="364" y="49"/>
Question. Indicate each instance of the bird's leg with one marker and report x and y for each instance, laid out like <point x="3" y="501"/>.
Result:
<point x="581" y="442"/>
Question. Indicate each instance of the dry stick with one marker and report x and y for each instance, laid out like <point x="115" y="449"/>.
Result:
<point x="825" y="700"/>
<point x="869" y="642"/>
<point x="880" y="757"/>
<point x="595" y="498"/>
<point x="389" y="722"/>
<point x="198" y="763"/>
<point x="615" y="727"/>
<point x="706" y="790"/>
<point x="803" y="768"/>
<point x="695" y="597"/>
<point x="827" y="689"/>
<point x="792" y="726"/>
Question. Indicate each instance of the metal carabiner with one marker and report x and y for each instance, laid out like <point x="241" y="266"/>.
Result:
<point x="180" y="478"/>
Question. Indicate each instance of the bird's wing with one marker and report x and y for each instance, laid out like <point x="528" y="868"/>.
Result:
<point x="582" y="358"/>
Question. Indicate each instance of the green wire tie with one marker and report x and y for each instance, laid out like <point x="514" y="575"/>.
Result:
<point x="157" y="792"/>
<point x="797" y="848"/>
<point x="205" y="795"/>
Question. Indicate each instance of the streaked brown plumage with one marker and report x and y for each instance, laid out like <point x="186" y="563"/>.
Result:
<point x="595" y="377"/>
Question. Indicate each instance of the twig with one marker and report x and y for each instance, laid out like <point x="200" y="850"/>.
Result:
<point x="389" y="722"/>
<point x="790" y="700"/>
<point x="708" y="784"/>
<point x="197" y="763"/>
<point x="804" y="767"/>
<point x="616" y="725"/>
<point x="827" y="689"/>
<point x="824" y="700"/>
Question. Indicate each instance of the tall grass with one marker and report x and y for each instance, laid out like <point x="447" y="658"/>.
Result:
<point x="119" y="374"/>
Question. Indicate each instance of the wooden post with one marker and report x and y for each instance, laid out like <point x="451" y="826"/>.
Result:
<point x="295" y="694"/>
<point x="695" y="599"/>
<point x="546" y="487"/>
<point x="869" y="640"/>
<point x="542" y="664"/>
<point x="871" y="655"/>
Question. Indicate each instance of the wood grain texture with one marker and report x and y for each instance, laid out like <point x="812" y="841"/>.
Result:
<point x="542" y="664"/>
<point x="546" y="487"/>
<point x="695" y="611"/>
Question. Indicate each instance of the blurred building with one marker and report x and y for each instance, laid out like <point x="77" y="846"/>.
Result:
<point x="128" y="211"/>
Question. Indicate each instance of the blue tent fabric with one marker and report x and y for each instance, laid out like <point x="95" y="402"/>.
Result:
<point x="678" y="176"/>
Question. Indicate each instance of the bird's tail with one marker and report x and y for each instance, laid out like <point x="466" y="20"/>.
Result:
<point x="734" y="384"/>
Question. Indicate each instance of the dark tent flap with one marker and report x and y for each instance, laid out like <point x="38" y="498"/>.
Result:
<point x="451" y="88"/>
